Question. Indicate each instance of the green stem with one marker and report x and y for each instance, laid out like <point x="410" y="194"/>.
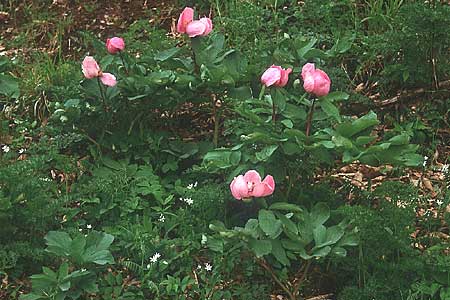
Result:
<point x="263" y="264"/>
<point x="102" y="95"/>
<point x="216" y="123"/>
<point x="302" y="279"/>
<point x="261" y="93"/>
<point x="273" y="112"/>
<point x="123" y="62"/>
<point x="310" y="116"/>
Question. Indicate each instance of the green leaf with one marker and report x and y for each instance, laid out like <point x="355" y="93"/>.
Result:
<point x="166" y="54"/>
<point x="293" y="245"/>
<point x="348" y="129"/>
<point x="288" y="123"/>
<point x="59" y="243"/>
<point x="350" y="239"/>
<point x="336" y="96"/>
<point x="9" y="86"/>
<point x="260" y="247"/>
<point x="320" y="213"/>
<point x="32" y="296"/>
<point x="268" y="223"/>
<point x="97" y="248"/>
<point x="279" y="253"/>
<point x="215" y="244"/>
<point x="339" y="251"/>
<point x="321" y="252"/>
<point x="288" y="224"/>
<point x="320" y="235"/>
<point x="286" y="207"/>
<point x="330" y="109"/>
<point x="266" y="152"/>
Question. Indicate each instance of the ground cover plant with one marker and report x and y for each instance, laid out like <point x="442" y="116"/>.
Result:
<point x="224" y="150"/>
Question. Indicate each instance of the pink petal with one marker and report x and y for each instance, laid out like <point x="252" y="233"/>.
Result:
<point x="239" y="188"/>
<point x="208" y="25"/>
<point x="195" y="28"/>
<point x="262" y="190"/>
<point x="309" y="67"/>
<point x="284" y="77"/>
<point x="115" y="45"/>
<point x="108" y="79"/>
<point x="90" y="67"/>
<point x="252" y="176"/>
<point x="322" y="83"/>
<point x="308" y="82"/>
<point x="271" y="76"/>
<point x="185" y="18"/>
<point x="269" y="181"/>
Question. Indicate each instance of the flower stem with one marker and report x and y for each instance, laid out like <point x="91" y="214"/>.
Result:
<point x="310" y="116"/>
<point x="216" y="114"/>
<point x="269" y="269"/>
<point x="302" y="279"/>
<point x="102" y="94"/>
<point x="261" y="93"/>
<point x="273" y="112"/>
<point x="123" y="62"/>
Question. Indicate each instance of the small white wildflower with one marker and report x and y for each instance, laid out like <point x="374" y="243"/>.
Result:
<point x="445" y="168"/>
<point x="162" y="218"/>
<point x="199" y="267"/>
<point x="5" y="148"/>
<point x="165" y="262"/>
<point x="181" y="199"/>
<point x="155" y="257"/>
<point x="425" y="159"/>
<point x="208" y="267"/>
<point x="80" y="230"/>
<point x="83" y="270"/>
<point x="189" y="201"/>
<point x="21" y="151"/>
<point x="195" y="184"/>
<point x="148" y="266"/>
<point x="89" y="226"/>
<point x="439" y="202"/>
<point x="190" y="186"/>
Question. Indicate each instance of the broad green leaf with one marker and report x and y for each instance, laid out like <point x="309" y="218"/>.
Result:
<point x="266" y="152"/>
<point x="348" y="129"/>
<point x="9" y="86"/>
<point x="166" y="54"/>
<point x="339" y="251"/>
<point x="288" y="123"/>
<point x="335" y="96"/>
<point x="279" y="253"/>
<point x="59" y="243"/>
<point x="287" y="223"/>
<point x="350" y="239"/>
<point x="268" y="223"/>
<point x="285" y="207"/>
<point x="320" y="213"/>
<point x="260" y="247"/>
<point x="330" y="109"/>
<point x="320" y="235"/>
<point x="321" y="252"/>
<point x="293" y="245"/>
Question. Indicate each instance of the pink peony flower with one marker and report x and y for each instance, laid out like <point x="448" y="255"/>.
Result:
<point x="91" y="70"/>
<point x="115" y="45"/>
<point x="185" y="18"/>
<point x="250" y="185"/>
<point x="315" y="81"/>
<point x="200" y="27"/>
<point x="108" y="79"/>
<point x="276" y="76"/>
